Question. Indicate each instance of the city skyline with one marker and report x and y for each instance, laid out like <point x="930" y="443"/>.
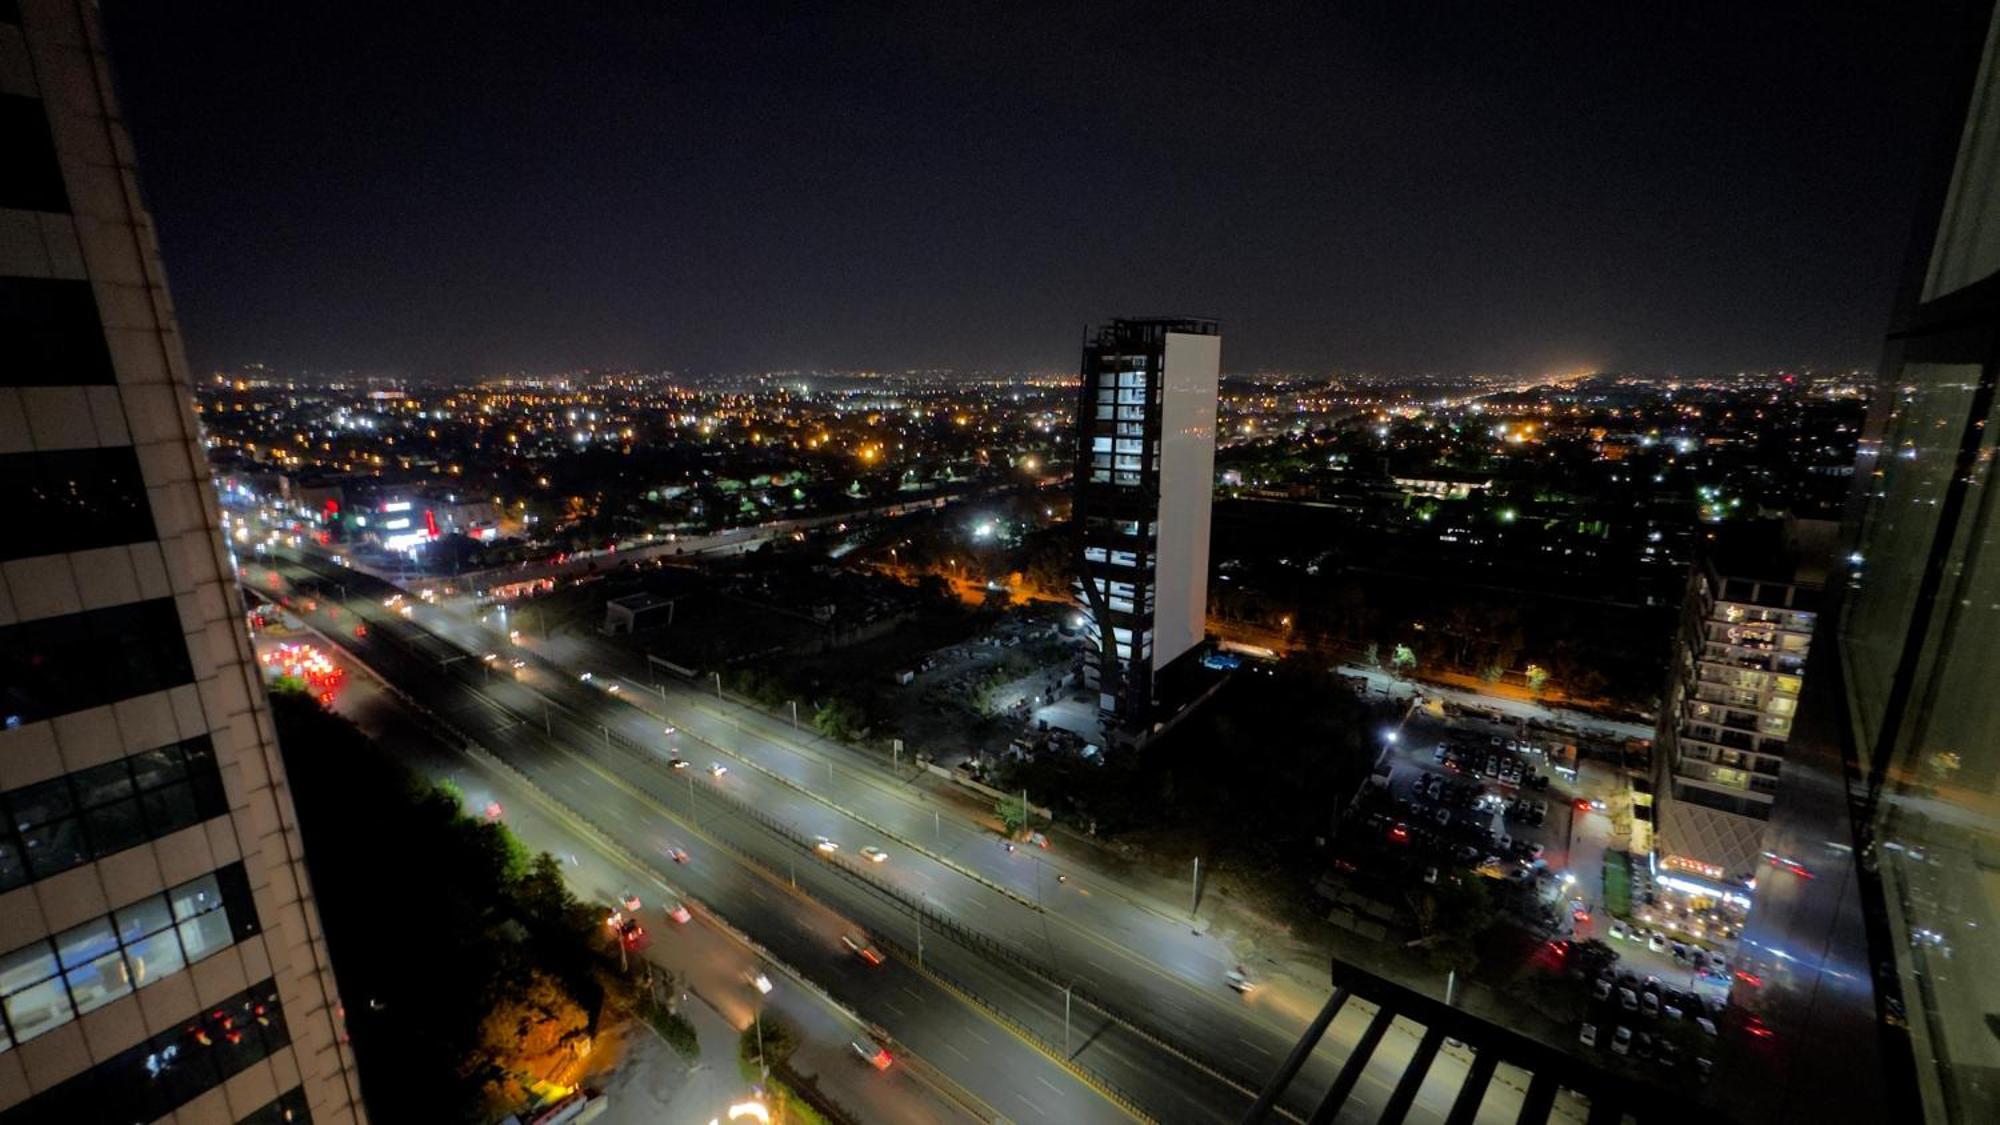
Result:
<point x="717" y="190"/>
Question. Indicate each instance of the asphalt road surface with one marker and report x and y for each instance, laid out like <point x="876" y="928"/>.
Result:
<point x="1108" y="944"/>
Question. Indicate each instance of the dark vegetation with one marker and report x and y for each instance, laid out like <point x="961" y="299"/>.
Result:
<point x="467" y="967"/>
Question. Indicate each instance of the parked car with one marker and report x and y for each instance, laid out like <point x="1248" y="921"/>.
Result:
<point x="1621" y="1041"/>
<point x="1602" y="989"/>
<point x="1588" y="1036"/>
<point x="1620" y="931"/>
<point x="1628" y="999"/>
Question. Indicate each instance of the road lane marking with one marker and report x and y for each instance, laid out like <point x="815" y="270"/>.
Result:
<point x="1253" y="1046"/>
<point x="1032" y="1105"/>
<point x="1049" y="1084"/>
<point x="956" y="1051"/>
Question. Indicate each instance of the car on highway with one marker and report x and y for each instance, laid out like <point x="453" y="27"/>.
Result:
<point x="629" y="901"/>
<point x="672" y="730"/>
<point x="1240" y="981"/>
<point x="759" y="981"/>
<point x="676" y="853"/>
<point x="628" y="929"/>
<point x="824" y="846"/>
<point x="861" y="948"/>
<point x="678" y="911"/>
<point x="873" y="854"/>
<point x="517" y="664"/>
<point x="677" y="763"/>
<point x="717" y="769"/>
<point x="874" y="1056"/>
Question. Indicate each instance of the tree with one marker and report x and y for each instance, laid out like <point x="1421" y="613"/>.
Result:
<point x="770" y="1038"/>
<point x="1491" y="674"/>
<point x="1538" y="678"/>
<point x="1404" y="661"/>
<point x="1013" y="814"/>
<point x="534" y="1028"/>
<point x="840" y="718"/>
<point x="1590" y="958"/>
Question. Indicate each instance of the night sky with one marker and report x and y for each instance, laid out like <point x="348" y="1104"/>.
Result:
<point x="1394" y="187"/>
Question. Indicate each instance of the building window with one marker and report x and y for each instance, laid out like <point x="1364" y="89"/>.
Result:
<point x="57" y="979"/>
<point x="288" y="1108"/>
<point x="70" y="820"/>
<point x="72" y="500"/>
<point x="151" y="1080"/>
<point x="30" y="177"/>
<point x="52" y="333"/>
<point x="62" y="664"/>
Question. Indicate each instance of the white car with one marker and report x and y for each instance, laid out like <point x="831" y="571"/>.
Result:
<point x="1588" y="1036"/>
<point x="1238" y="981"/>
<point x="824" y="846"/>
<point x="1657" y="943"/>
<point x="1620" y="931"/>
<point x="678" y="911"/>
<point x="717" y="769"/>
<point x="760" y="982"/>
<point x="873" y="854"/>
<point x="672" y="730"/>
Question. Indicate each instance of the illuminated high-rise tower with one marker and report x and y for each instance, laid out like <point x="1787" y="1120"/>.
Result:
<point x="1145" y="470"/>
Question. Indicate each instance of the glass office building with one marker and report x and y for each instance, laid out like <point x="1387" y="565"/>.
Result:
<point x="1920" y="639"/>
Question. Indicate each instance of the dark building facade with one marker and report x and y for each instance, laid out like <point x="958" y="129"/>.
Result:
<point x="1145" y="475"/>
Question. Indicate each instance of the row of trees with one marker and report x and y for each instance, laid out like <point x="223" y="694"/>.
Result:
<point x="468" y="968"/>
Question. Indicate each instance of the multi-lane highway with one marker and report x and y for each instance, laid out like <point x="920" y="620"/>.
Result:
<point x="1185" y="1048"/>
<point x="714" y="963"/>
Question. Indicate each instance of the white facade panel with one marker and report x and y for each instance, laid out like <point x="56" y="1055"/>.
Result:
<point x="1187" y="484"/>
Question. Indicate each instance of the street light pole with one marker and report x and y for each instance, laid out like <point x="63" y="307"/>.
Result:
<point x="757" y="1014"/>
<point x="1194" y="889"/>
<point x="795" y="713"/>
<point x="1066" y="989"/>
<point x="718" y="686"/>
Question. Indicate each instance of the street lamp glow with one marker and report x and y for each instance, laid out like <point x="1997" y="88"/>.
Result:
<point x="1390" y="737"/>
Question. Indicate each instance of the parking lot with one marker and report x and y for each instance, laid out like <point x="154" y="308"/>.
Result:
<point x="1651" y="1024"/>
